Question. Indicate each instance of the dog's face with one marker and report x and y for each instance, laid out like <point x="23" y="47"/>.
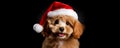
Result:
<point x="62" y="27"/>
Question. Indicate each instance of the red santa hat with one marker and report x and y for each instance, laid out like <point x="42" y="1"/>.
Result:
<point x="56" y="8"/>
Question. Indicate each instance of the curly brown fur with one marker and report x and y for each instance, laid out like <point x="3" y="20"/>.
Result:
<point x="62" y="31"/>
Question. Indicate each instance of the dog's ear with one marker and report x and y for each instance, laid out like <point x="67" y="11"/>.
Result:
<point x="45" y="30"/>
<point x="78" y="29"/>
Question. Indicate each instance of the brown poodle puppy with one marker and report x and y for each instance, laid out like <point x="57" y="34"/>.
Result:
<point x="62" y="31"/>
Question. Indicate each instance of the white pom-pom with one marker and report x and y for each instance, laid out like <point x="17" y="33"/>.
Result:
<point x="38" y="28"/>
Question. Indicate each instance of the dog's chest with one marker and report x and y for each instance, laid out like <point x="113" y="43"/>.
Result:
<point x="53" y="44"/>
<point x="60" y="43"/>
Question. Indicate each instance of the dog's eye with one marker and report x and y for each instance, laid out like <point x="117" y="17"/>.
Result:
<point x="67" y="23"/>
<point x="56" y="22"/>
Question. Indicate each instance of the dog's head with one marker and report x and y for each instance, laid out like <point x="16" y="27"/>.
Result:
<point x="62" y="27"/>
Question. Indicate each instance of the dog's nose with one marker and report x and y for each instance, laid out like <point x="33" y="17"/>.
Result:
<point x="61" y="28"/>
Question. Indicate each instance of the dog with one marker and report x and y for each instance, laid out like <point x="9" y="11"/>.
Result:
<point x="62" y="31"/>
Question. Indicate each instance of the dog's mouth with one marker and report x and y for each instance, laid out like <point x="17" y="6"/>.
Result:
<point x="60" y="34"/>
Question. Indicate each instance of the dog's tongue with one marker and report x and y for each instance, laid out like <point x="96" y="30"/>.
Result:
<point x="61" y="34"/>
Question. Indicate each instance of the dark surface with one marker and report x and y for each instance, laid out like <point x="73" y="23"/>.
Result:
<point x="86" y="11"/>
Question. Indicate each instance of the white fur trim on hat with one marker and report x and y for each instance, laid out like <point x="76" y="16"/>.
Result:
<point x="63" y="12"/>
<point x="38" y="28"/>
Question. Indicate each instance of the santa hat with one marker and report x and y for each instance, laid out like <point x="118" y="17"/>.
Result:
<point x="56" y="8"/>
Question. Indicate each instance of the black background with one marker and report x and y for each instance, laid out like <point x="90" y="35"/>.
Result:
<point x="86" y="10"/>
